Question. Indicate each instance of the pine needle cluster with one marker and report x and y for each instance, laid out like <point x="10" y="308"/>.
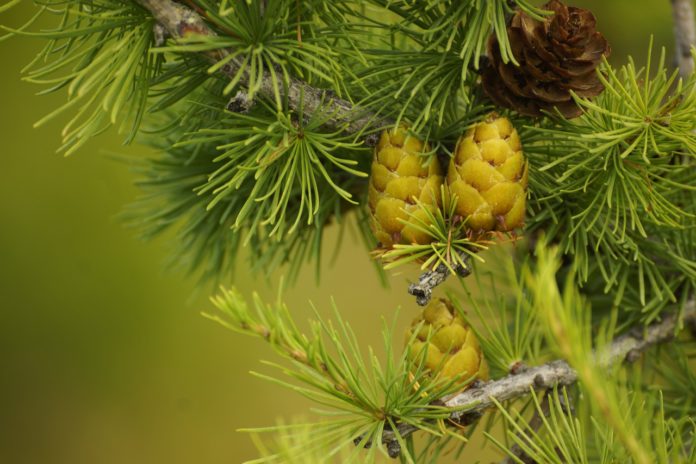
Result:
<point x="615" y="189"/>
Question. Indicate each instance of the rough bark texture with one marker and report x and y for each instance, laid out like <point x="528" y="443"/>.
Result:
<point x="423" y="290"/>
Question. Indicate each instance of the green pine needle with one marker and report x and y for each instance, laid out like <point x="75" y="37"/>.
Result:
<point x="605" y="185"/>
<point x="361" y="394"/>
<point x="286" y="162"/>
<point x="100" y="53"/>
<point x="451" y="241"/>
<point x="503" y="318"/>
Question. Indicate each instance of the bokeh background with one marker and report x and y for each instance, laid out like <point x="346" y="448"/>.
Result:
<point x="104" y="356"/>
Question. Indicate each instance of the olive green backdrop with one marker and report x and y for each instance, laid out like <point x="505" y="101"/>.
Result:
<point x="104" y="357"/>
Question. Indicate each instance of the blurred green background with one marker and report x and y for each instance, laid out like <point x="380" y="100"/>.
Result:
<point x="104" y="357"/>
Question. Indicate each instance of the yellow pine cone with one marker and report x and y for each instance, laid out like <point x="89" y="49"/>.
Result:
<point x="453" y="350"/>
<point x="488" y="174"/>
<point x="397" y="178"/>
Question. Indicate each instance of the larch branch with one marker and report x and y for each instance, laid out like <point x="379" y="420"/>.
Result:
<point x="179" y="20"/>
<point x="423" y="290"/>
<point x="627" y="347"/>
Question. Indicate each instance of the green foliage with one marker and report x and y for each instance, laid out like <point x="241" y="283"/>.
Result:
<point x="423" y="73"/>
<point x="608" y="417"/>
<point x="612" y="191"/>
<point x="615" y="187"/>
<point x="614" y="419"/>
<point x="504" y="319"/>
<point x="364" y="396"/>
<point x="276" y="39"/>
<point x="563" y="435"/>
<point x="560" y="437"/>
<point x="451" y="246"/>
<point x="9" y="5"/>
<point x="567" y="319"/>
<point x="183" y="193"/>
<point x="286" y="159"/>
<point x="288" y="443"/>
<point x="99" y="52"/>
<point x="673" y="375"/>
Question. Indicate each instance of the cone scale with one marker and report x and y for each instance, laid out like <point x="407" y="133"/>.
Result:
<point x="556" y="57"/>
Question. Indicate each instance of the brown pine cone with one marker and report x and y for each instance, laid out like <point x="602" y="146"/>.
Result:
<point x="556" y="56"/>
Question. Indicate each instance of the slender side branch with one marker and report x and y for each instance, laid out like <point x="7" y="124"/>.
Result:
<point x="555" y="373"/>
<point x="179" y="20"/>
<point x="427" y="281"/>
<point x="684" y="35"/>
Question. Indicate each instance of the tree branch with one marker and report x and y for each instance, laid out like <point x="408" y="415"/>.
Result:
<point x="627" y="347"/>
<point x="684" y="35"/>
<point x="423" y="290"/>
<point x="179" y="20"/>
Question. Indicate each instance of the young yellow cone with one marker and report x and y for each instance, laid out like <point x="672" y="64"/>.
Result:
<point x="452" y="348"/>
<point x="399" y="177"/>
<point x="488" y="175"/>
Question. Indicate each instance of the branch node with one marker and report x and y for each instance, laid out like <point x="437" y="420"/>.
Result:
<point x="240" y="103"/>
<point x="427" y="281"/>
<point x="691" y="326"/>
<point x="539" y="381"/>
<point x="421" y="292"/>
<point x="632" y="356"/>
<point x="393" y="449"/>
<point x="371" y="140"/>
<point x="159" y="34"/>
<point x="468" y="418"/>
<point x="477" y="383"/>
<point x="567" y="408"/>
<point x="518" y="367"/>
<point x="358" y="440"/>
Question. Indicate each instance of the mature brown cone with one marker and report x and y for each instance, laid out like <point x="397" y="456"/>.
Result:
<point x="556" y="56"/>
